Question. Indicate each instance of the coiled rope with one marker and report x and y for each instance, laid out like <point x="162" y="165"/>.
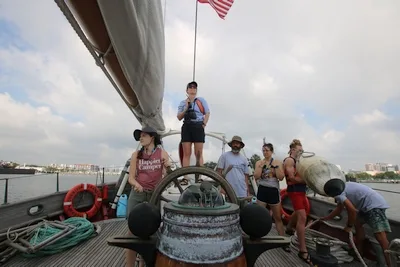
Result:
<point x="84" y="230"/>
<point x="337" y="249"/>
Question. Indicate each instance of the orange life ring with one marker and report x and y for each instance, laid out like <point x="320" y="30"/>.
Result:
<point x="69" y="208"/>
<point x="286" y="216"/>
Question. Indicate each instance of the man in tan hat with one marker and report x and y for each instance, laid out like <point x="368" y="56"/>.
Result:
<point x="234" y="167"/>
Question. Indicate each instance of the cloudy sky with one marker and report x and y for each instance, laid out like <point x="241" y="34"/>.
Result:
<point x="326" y="72"/>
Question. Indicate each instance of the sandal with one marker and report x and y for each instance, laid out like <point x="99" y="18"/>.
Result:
<point x="184" y="182"/>
<point x="306" y="259"/>
<point x="286" y="248"/>
<point x="289" y="231"/>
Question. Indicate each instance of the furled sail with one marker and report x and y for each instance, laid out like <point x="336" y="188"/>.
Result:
<point x="320" y="175"/>
<point x="126" y="38"/>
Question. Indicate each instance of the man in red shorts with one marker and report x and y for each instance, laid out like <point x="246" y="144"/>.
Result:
<point x="296" y="190"/>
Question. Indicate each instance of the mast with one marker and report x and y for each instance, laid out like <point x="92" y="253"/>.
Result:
<point x="165" y="11"/>
<point x="195" y="41"/>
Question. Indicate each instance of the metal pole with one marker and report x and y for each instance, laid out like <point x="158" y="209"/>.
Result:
<point x="195" y="41"/>
<point x="103" y="176"/>
<point x="58" y="183"/>
<point x="165" y="11"/>
<point x="6" y="192"/>
<point x="123" y="179"/>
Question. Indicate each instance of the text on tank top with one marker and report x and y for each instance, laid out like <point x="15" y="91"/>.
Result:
<point x="294" y="186"/>
<point x="269" y="181"/>
<point x="149" y="169"/>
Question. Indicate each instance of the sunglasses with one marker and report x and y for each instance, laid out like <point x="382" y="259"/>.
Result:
<point x="265" y="147"/>
<point x="192" y="86"/>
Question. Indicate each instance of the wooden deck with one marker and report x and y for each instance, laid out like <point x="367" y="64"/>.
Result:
<point x="95" y="252"/>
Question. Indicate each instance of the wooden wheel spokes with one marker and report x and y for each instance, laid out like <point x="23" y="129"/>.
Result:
<point x="172" y="176"/>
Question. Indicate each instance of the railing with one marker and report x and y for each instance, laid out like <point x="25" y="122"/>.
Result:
<point x="309" y="191"/>
<point x="5" y="199"/>
<point x="387" y="191"/>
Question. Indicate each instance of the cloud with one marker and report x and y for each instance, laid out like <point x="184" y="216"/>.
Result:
<point x="321" y="72"/>
<point x="375" y="117"/>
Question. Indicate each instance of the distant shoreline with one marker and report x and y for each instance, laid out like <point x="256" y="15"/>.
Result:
<point x="88" y="173"/>
<point x="78" y="173"/>
<point x="379" y="182"/>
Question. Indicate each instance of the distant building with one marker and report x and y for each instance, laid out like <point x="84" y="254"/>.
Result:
<point x="86" y="167"/>
<point x="381" y="167"/>
<point x="369" y="167"/>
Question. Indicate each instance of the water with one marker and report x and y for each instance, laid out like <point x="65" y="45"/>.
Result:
<point x="38" y="185"/>
<point x="392" y="198"/>
<point x="21" y="187"/>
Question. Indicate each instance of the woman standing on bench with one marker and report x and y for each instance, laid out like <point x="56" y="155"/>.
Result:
<point x="195" y="112"/>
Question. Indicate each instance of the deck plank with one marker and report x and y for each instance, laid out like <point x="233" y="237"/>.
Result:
<point x="280" y="258"/>
<point x="95" y="252"/>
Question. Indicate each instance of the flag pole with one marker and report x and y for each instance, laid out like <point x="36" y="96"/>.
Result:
<point x="195" y="41"/>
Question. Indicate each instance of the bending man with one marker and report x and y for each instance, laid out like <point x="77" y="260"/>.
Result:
<point x="363" y="205"/>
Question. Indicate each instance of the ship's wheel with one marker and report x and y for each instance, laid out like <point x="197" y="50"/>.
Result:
<point x="173" y="177"/>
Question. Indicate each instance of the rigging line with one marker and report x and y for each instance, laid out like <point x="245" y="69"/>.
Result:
<point x="195" y="41"/>
<point x="165" y="11"/>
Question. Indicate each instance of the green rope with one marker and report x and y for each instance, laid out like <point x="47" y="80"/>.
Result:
<point x="84" y="230"/>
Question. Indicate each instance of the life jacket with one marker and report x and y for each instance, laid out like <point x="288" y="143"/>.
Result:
<point x="294" y="186"/>
<point x="200" y="105"/>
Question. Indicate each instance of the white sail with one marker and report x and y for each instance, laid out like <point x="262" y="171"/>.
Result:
<point x="136" y="30"/>
<point x="126" y="37"/>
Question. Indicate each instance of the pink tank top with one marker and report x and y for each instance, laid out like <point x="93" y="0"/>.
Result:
<point x="149" y="169"/>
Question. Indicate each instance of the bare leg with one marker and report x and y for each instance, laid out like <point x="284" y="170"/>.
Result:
<point x="360" y="236"/>
<point x="262" y="204"/>
<point x="141" y="262"/>
<point x="130" y="258"/>
<point x="384" y="242"/>
<point x="187" y="151"/>
<point x="130" y="255"/>
<point x="276" y="214"/>
<point x="198" y="151"/>
<point x="301" y="229"/>
<point x="292" y="222"/>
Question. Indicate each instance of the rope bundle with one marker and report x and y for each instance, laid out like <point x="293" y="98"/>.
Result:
<point x="337" y="250"/>
<point x="84" y="230"/>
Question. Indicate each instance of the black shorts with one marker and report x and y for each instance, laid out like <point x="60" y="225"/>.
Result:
<point x="193" y="133"/>
<point x="269" y="195"/>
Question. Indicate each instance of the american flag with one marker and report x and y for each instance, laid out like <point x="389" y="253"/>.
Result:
<point x="220" y="6"/>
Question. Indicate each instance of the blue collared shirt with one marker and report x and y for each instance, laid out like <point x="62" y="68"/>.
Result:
<point x="199" y="115"/>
